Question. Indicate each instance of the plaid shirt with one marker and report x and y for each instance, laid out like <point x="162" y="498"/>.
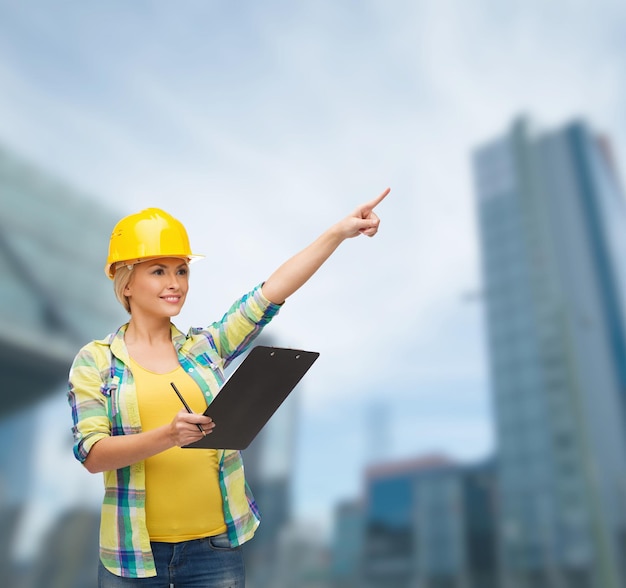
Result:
<point x="103" y="399"/>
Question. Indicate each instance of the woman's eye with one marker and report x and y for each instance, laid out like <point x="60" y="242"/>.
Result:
<point x="158" y="272"/>
<point x="183" y="272"/>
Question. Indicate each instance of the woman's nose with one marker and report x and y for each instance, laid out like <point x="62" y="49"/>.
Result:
<point x="174" y="282"/>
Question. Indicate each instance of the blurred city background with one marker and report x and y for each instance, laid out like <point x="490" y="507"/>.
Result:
<point x="465" y="425"/>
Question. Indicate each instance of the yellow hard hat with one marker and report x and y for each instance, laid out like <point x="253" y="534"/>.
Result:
<point x="147" y="234"/>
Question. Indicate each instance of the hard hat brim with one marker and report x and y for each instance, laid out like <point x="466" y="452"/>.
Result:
<point x="111" y="268"/>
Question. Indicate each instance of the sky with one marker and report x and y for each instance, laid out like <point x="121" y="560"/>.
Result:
<point x="259" y="125"/>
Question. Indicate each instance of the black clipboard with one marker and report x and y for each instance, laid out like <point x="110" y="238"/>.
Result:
<point x="252" y="394"/>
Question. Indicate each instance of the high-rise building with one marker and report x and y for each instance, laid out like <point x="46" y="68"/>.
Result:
<point x="54" y="298"/>
<point x="269" y="461"/>
<point x="54" y="295"/>
<point x="552" y="223"/>
<point x="347" y="543"/>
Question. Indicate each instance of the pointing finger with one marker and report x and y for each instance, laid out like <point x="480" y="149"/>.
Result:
<point x="376" y="201"/>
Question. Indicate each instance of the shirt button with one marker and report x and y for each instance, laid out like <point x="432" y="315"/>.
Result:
<point x="190" y="370"/>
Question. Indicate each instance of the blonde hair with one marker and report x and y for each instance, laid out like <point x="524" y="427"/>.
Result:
<point x="121" y="279"/>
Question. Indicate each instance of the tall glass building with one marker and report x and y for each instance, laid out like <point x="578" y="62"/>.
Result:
<point x="552" y="223"/>
<point x="347" y="543"/>
<point x="269" y="461"/>
<point x="54" y="297"/>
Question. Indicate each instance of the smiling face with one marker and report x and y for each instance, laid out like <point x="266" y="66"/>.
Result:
<point x="158" y="287"/>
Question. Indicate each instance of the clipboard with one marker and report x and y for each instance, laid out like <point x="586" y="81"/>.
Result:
<point x="252" y="394"/>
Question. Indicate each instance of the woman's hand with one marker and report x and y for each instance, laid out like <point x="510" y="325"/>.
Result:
<point x="363" y="221"/>
<point x="184" y="427"/>
<point x="112" y="453"/>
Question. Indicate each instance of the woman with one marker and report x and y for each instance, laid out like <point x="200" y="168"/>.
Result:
<point x="170" y="515"/>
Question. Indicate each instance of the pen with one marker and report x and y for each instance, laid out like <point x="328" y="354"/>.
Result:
<point x="187" y="406"/>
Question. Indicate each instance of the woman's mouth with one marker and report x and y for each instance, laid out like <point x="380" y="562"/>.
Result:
<point x="171" y="299"/>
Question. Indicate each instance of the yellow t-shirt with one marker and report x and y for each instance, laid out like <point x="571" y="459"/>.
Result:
<point x="183" y="498"/>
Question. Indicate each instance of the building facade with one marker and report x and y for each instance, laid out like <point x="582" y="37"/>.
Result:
<point x="347" y="543"/>
<point x="552" y="224"/>
<point x="425" y="522"/>
<point x="269" y="461"/>
<point x="55" y="295"/>
<point x="54" y="298"/>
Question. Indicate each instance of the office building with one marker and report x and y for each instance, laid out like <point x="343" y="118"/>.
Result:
<point x="347" y="543"/>
<point x="552" y="222"/>
<point x="54" y="298"/>
<point x="426" y="522"/>
<point x="269" y="461"/>
<point x="55" y="295"/>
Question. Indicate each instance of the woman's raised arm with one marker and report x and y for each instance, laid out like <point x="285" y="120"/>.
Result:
<point x="297" y="270"/>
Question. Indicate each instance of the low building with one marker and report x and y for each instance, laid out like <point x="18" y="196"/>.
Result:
<point x="426" y="522"/>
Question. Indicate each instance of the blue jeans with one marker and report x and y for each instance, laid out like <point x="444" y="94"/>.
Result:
<point x="201" y="563"/>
